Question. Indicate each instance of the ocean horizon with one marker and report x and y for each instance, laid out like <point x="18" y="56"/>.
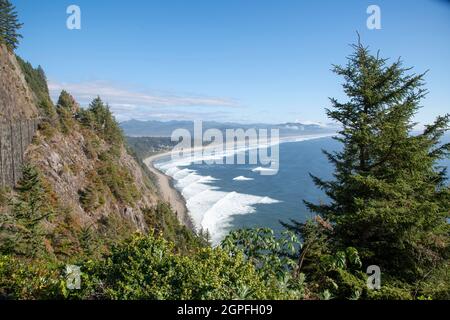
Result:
<point x="224" y="197"/>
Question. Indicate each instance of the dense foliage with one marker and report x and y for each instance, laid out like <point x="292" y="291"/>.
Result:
<point x="36" y="79"/>
<point x="146" y="267"/>
<point x="99" y="118"/>
<point x="144" y="147"/>
<point x="389" y="198"/>
<point x="388" y="206"/>
<point x="21" y="231"/>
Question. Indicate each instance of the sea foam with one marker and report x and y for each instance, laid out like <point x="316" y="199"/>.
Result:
<point x="209" y="207"/>
<point x="242" y="178"/>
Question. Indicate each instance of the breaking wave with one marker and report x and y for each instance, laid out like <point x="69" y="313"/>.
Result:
<point x="209" y="207"/>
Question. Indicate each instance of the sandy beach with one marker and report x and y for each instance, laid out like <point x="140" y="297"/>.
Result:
<point x="167" y="190"/>
<point x="170" y="194"/>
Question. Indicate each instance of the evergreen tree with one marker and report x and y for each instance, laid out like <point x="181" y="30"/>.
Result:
<point x="88" y="240"/>
<point x="9" y="25"/>
<point x="22" y="229"/>
<point x="102" y="120"/>
<point x="36" y="79"/>
<point x="389" y="198"/>
<point x="89" y="198"/>
<point x="65" y="100"/>
<point x="67" y="109"/>
<point x="42" y="76"/>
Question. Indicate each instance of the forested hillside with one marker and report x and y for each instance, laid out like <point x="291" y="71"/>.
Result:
<point x="81" y="191"/>
<point x="84" y="201"/>
<point x="144" y="147"/>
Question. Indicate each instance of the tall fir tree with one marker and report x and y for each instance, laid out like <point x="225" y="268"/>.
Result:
<point x="389" y="197"/>
<point x="102" y="120"/>
<point x="9" y="25"/>
<point x="21" y="230"/>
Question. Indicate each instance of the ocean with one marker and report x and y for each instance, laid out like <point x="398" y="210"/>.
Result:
<point x="223" y="197"/>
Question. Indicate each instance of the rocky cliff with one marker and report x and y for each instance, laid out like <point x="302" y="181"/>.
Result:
<point x="66" y="162"/>
<point x="91" y="181"/>
<point x="17" y="101"/>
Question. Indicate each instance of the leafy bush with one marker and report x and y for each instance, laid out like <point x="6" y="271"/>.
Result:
<point x="436" y="286"/>
<point x="29" y="280"/>
<point x="163" y="221"/>
<point x="388" y="292"/>
<point x="273" y="256"/>
<point x="146" y="267"/>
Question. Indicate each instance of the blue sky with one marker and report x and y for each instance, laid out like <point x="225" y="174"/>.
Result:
<point x="228" y="60"/>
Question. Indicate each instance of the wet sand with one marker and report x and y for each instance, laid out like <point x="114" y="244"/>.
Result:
<point x="171" y="195"/>
<point x="168" y="192"/>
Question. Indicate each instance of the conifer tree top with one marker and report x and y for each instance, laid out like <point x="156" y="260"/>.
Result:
<point x="9" y="25"/>
<point x="389" y="196"/>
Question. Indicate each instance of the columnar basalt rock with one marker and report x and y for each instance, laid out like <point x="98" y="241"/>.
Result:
<point x="18" y="118"/>
<point x="15" y="137"/>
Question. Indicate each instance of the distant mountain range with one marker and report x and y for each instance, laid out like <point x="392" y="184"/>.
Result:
<point x="153" y="128"/>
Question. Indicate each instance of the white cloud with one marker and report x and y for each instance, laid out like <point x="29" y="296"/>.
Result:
<point x="308" y="122"/>
<point x="120" y="96"/>
<point x="143" y="114"/>
<point x="129" y="104"/>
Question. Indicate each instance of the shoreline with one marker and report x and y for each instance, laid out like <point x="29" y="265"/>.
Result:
<point x="170" y="194"/>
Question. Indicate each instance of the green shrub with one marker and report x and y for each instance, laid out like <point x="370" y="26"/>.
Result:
<point x="29" y="280"/>
<point x="48" y="129"/>
<point x="3" y="196"/>
<point x="388" y="292"/>
<point x="163" y="221"/>
<point x="437" y="285"/>
<point x="90" y="199"/>
<point x="117" y="178"/>
<point x="146" y="267"/>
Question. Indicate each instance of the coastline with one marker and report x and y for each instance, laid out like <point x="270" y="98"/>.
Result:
<point x="168" y="192"/>
<point x="173" y="196"/>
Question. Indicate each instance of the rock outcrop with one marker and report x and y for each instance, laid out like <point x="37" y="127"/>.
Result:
<point x="65" y="160"/>
<point x="69" y="169"/>
<point x="17" y="101"/>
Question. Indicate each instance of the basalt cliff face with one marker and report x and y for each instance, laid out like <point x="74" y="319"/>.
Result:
<point x="17" y="101"/>
<point x="73" y="171"/>
<point x="90" y="178"/>
<point x="18" y="117"/>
